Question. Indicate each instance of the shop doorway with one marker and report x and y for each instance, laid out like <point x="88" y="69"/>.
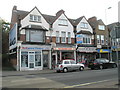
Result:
<point x="31" y="59"/>
<point x="45" y="60"/>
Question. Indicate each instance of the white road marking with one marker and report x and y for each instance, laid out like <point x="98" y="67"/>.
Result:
<point x="84" y="84"/>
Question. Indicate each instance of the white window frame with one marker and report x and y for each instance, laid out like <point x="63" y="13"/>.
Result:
<point x="102" y="39"/>
<point x="84" y="25"/>
<point x="98" y="39"/>
<point x="35" y="18"/>
<point x="63" y="37"/>
<point x="101" y="27"/>
<point x="69" y="37"/>
<point x="57" y="37"/>
<point x="63" y="22"/>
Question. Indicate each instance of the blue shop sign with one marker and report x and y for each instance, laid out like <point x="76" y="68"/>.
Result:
<point x="104" y="51"/>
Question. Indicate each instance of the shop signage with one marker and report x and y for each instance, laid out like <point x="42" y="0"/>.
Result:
<point x="79" y="39"/>
<point x="34" y="48"/>
<point x="87" y="49"/>
<point x="103" y="50"/>
<point x="64" y="48"/>
<point x="13" y="37"/>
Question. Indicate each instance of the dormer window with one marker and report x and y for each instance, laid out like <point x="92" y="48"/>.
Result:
<point x="101" y="27"/>
<point x="35" y="18"/>
<point x="83" y="25"/>
<point x="63" y="22"/>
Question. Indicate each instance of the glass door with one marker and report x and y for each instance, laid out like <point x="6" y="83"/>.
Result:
<point x="31" y="60"/>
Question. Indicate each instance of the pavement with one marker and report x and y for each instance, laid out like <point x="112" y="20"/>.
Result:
<point x="107" y="84"/>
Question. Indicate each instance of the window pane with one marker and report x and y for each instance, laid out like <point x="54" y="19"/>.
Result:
<point x="63" y="38"/>
<point x="36" y="36"/>
<point x="37" y="58"/>
<point x="39" y="18"/>
<point x="27" y="35"/>
<point x="24" y="59"/>
<point x="57" y="37"/>
<point x="31" y="17"/>
<point x="69" y="37"/>
<point x="101" y="27"/>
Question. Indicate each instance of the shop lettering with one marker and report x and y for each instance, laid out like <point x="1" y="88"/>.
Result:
<point x="33" y="48"/>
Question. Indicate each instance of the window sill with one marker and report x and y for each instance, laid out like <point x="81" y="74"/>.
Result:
<point x="62" y="25"/>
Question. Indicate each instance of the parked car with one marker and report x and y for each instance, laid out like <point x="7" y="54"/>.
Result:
<point x="101" y="63"/>
<point x="68" y="65"/>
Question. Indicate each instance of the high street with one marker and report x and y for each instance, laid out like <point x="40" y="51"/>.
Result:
<point x="76" y="79"/>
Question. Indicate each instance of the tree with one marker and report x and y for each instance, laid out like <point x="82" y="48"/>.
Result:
<point x="4" y="40"/>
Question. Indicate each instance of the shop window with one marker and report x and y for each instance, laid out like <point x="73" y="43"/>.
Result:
<point x="37" y="58"/>
<point x="24" y="59"/>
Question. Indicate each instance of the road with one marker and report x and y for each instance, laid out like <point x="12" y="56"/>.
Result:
<point x="75" y="79"/>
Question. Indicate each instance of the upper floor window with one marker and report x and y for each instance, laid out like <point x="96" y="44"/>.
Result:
<point x="63" y="37"/>
<point x="35" y="18"/>
<point x="100" y="39"/>
<point x="83" y="25"/>
<point x="57" y="37"/>
<point x="101" y="27"/>
<point x="35" y="36"/>
<point x="86" y="40"/>
<point x="69" y="37"/>
<point x="63" y="22"/>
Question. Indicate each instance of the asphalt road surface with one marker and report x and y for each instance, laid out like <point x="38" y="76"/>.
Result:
<point x="75" y="79"/>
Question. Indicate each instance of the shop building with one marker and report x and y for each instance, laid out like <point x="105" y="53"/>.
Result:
<point x="86" y="50"/>
<point x="102" y="39"/>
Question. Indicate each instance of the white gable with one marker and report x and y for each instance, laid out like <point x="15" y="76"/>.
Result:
<point x="26" y="21"/>
<point x="60" y="28"/>
<point x="79" y="28"/>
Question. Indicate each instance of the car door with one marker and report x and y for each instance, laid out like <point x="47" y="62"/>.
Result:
<point x="74" y="65"/>
<point x="68" y="65"/>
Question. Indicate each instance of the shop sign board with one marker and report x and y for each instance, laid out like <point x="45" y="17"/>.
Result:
<point x="79" y="39"/>
<point x="87" y="49"/>
<point x="104" y="50"/>
<point x="13" y="37"/>
<point x="64" y="48"/>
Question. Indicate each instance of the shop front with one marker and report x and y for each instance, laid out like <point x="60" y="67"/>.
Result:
<point x="61" y="53"/>
<point x="103" y="53"/>
<point x="35" y="57"/>
<point x="85" y="54"/>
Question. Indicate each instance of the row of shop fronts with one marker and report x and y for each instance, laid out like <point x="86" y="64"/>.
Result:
<point x="40" y="57"/>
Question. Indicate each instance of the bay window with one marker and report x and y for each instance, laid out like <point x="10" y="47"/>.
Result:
<point x="35" y="36"/>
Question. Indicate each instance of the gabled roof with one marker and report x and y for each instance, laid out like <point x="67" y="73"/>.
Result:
<point x="75" y="22"/>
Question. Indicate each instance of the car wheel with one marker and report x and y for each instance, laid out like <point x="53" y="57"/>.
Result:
<point x="101" y="67"/>
<point x="114" y="66"/>
<point x="92" y="68"/>
<point x="65" y="70"/>
<point x="81" y="68"/>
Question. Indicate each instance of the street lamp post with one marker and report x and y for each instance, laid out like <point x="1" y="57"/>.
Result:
<point x="109" y="53"/>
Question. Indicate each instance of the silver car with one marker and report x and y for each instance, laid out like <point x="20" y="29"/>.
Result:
<point x="69" y="65"/>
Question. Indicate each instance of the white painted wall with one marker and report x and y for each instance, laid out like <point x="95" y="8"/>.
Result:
<point x="59" y="28"/>
<point x="26" y="20"/>
<point x="88" y="29"/>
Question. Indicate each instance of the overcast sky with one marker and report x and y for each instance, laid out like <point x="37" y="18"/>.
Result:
<point x="73" y="8"/>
